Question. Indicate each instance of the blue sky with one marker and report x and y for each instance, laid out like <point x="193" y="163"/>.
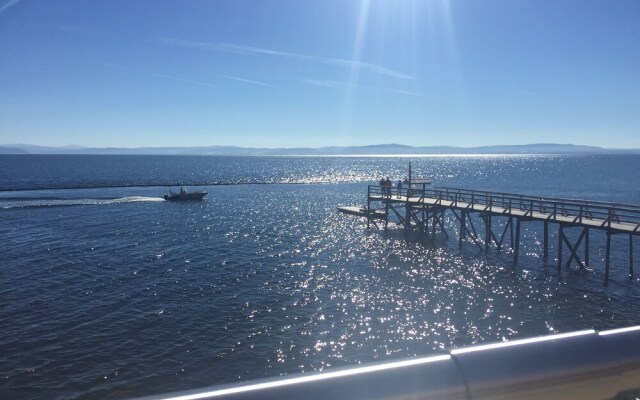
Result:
<point x="292" y="73"/>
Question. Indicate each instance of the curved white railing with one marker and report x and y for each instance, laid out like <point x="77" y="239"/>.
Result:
<point x="584" y="364"/>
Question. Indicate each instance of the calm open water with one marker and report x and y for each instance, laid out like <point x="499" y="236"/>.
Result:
<point x="107" y="291"/>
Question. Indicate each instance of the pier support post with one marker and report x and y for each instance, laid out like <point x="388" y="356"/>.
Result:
<point x="517" y="247"/>
<point x="630" y="256"/>
<point x="463" y="227"/>
<point x="386" y="212"/>
<point x="407" y="214"/>
<point x="368" y="207"/>
<point x="487" y="232"/>
<point x="607" y="261"/>
<point x="511" y="232"/>
<point x="560" y="235"/>
<point x="546" y="239"/>
<point x="586" y="247"/>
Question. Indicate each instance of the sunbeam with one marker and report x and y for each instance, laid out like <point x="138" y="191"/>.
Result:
<point x="354" y="72"/>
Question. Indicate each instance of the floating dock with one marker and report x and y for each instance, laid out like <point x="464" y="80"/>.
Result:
<point x="361" y="211"/>
<point x="424" y="209"/>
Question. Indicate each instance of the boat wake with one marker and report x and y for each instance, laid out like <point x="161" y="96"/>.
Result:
<point x="36" y="202"/>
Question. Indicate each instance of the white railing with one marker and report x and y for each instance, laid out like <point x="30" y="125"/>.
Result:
<point x="584" y="364"/>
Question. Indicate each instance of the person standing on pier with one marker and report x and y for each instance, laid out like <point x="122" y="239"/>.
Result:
<point x="382" y="186"/>
<point x="399" y="186"/>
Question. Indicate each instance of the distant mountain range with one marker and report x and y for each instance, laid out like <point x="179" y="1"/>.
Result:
<point x="380" y="149"/>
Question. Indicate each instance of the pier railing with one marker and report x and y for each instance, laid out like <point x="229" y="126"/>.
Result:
<point x="595" y="213"/>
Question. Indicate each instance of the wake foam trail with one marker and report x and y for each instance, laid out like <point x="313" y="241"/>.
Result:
<point x="49" y="202"/>
<point x="135" y="199"/>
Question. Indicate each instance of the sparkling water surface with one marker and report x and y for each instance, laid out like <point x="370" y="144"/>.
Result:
<point x="110" y="292"/>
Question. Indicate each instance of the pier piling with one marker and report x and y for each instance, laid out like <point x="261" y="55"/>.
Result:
<point x="630" y="256"/>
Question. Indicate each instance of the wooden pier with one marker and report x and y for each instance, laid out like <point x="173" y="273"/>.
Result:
<point x="424" y="209"/>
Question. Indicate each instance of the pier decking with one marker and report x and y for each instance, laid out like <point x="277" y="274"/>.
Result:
<point x="422" y="209"/>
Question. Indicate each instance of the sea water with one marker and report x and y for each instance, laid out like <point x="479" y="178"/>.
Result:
<point x="107" y="291"/>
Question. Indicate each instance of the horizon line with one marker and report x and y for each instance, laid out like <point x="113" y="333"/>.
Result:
<point x="89" y="147"/>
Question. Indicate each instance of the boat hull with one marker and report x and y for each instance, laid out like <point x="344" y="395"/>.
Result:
<point x="191" y="196"/>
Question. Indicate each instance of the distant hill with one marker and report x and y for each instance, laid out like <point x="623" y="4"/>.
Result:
<point x="379" y="149"/>
<point x="12" y="150"/>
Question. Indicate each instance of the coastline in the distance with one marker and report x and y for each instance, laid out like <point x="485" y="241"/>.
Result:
<point x="380" y="149"/>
